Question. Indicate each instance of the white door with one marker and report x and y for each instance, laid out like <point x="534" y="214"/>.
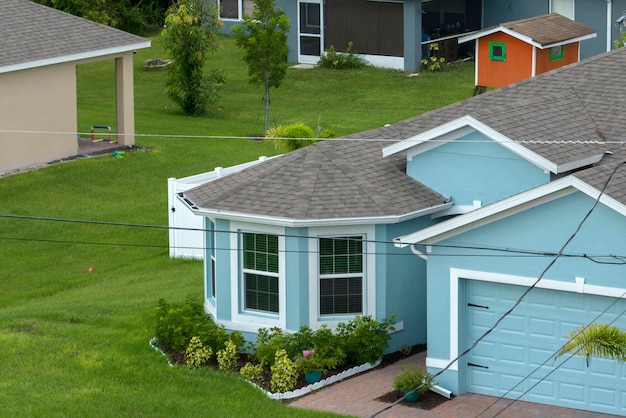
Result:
<point x="526" y="340"/>
<point x="310" y="31"/>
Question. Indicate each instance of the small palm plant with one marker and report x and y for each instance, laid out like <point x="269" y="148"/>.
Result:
<point x="599" y="340"/>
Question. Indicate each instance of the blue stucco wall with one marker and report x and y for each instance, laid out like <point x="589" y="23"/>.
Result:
<point x="222" y="269"/>
<point x="544" y="228"/>
<point x="474" y="168"/>
<point x="297" y="274"/>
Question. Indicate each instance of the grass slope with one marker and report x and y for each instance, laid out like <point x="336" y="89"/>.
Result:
<point x="74" y="342"/>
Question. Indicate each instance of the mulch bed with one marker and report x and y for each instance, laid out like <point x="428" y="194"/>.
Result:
<point x="426" y="401"/>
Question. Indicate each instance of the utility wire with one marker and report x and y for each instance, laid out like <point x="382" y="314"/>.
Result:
<point x="521" y="298"/>
<point x="551" y="356"/>
<point x="509" y="252"/>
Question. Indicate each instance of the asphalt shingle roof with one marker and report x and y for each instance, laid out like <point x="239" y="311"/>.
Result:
<point x="31" y="32"/>
<point x="549" y="29"/>
<point x="337" y="179"/>
<point x="326" y="180"/>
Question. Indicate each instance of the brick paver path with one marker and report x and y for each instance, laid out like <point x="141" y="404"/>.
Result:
<point x="355" y="396"/>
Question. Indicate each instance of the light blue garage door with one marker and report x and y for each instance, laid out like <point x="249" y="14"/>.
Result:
<point x="517" y="356"/>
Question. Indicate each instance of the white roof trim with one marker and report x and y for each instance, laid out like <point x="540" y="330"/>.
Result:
<point x="507" y="207"/>
<point x="300" y="223"/>
<point x="523" y="38"/>
<point x="477" y="125"/>
<point x="75" y="57"/>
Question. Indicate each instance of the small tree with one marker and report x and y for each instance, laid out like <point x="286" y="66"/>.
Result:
<point x="191" y="32"/>
<point x="263" y="36"/>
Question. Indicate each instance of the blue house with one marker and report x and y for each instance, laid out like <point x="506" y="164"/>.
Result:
<point x="456" y="221"/>
<point x="390" y="33"/>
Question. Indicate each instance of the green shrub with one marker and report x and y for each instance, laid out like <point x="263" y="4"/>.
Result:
<point x="197" y="354"/>
<point x="364" y="339"/>
<point x="284" y="373"/>
<point x="342" y="60"/>
<point x="176" y="324"/>
<point x="252" y="372"/>
<point x="228" y="357"/>
<point x="412" y="378"/>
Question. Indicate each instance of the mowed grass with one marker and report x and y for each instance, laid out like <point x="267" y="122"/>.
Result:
<point x="74" y="342"/>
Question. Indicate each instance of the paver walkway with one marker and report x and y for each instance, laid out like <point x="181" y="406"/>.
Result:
<point x="356" y="396"/>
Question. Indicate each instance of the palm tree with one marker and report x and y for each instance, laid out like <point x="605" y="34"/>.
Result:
<point x="599" y="340"/>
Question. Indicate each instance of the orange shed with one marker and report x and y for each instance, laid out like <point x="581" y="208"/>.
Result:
<point x="524" y="48"/>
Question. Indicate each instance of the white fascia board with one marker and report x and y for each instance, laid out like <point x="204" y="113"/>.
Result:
<point x="570" y="41"/>
<point x="563" y="168"/>
<point x="433" y="133"/>
<point x="508" y="31"/>
<point x="75" y="57"/>
<point x="304" y="223"/>
<point x="442" y="132"/>
<point x="507" y="207"/>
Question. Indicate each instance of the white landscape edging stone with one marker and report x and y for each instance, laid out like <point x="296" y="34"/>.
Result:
<point x="302" y="391"/>
<point x="324" y="382"/>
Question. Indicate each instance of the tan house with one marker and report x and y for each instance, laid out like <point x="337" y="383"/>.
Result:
<point x="41" y="48"/>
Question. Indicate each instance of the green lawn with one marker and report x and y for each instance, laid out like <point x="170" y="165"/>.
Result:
<point x="74" y="342"/>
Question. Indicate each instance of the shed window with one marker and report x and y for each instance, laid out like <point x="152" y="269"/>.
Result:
<point x="497" y="51"/>
<point x="557" y="52"/>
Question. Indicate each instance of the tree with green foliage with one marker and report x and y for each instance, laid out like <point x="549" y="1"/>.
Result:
<point x="263" y="36"/>
<point x="191" y="32"/>
<point x="599" y="340"/>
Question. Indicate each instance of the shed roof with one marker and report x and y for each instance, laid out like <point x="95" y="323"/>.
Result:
<point x="32" y="35"/>
<point x="542" y="31"/>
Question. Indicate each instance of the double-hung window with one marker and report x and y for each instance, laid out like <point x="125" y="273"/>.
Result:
<point x="260" y="272"/>
<point x="341" y="275"/>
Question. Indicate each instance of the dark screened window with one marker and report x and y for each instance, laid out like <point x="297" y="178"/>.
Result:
<point x="341" y="275"/>
<point x="260" y="272"/>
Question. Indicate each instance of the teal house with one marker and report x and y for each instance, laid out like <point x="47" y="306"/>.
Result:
<point x="491" y="229"/>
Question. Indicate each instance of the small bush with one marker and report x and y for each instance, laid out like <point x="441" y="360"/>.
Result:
<point x="197" y="354"/>
<point x="284" y="373"/>
<point x="268" y="342"/>
<point x="364" y="339"/>
<point x="283" y="136"/>
<point x="252" y="372"/>
<point x="342" y="60"/>
<point x="227" y="357"/>
<point x="412" y="378"/>
<point x="176" y="324"/>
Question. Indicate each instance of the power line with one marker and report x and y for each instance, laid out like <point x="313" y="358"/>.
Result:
<point x="509" y="252"/>
<point x="526" y="292"/>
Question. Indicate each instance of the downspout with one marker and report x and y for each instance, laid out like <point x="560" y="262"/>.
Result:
<point x="417" y="252"/>
<point x="533" y="70"/>
<point x="609" y="25"/>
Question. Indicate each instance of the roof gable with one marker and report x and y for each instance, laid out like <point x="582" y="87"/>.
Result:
<point x="536" y="129"/>
<point x="32" y="35"/>
<point x="543" y="31"/>
<point x="505" y="208"/>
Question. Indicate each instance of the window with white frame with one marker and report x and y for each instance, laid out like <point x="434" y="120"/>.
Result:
<point x="235" y="9"/>
<point x="341" y="275"/>
<point x="260" y="272"/>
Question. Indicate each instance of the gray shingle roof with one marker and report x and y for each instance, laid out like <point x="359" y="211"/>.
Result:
<point x="327" y="180"/>
<point x="336" y="179"/>
<point x="32" y="33"/>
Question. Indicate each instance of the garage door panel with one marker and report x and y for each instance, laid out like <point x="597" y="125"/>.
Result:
<point x="524" y="345"/>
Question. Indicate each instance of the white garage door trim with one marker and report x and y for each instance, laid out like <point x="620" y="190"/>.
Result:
<point x="577" y="285"/>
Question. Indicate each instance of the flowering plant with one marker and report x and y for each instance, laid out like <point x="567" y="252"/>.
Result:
<point x="311" y="361"/>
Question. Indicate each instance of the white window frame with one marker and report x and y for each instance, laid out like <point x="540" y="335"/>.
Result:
<point x="369" y="273"/>
<point x="240" y="10"/>
<point x="249" y="320"/>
